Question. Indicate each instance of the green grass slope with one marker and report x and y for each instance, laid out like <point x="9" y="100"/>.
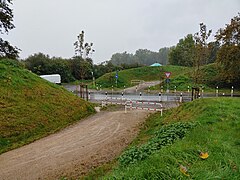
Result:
<point x="146" y="73"/>
<point x="167" y="143"/>
<point x="210" y="79"/>
<point x="31" y="108"/>
<point x="181" y="78"/>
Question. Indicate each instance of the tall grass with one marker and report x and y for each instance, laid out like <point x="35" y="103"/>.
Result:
<point x="217" y="133"/>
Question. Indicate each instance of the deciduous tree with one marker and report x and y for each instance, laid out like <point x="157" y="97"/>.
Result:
<point x="6" y="18"/>
<point x="228" y="57"/>
<point x="183" y="53"/>
<point x="202" y="52"/>
<point x="81" y="48"/>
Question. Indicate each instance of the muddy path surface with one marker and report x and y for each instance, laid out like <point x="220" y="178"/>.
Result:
<point x="142" y="86"/>
<point x="74" y="150"/>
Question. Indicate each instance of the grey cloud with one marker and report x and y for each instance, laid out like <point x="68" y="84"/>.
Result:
<point x="51" y="26"/>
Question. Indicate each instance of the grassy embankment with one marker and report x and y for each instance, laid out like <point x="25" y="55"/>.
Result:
<point x="184" y="79"/>
<point x="167" y="143"/>
<point x="31" y="108"/>
<point x="180" y="78"/>
<point x="143" y="73"/>
<point x="209" y="81"/>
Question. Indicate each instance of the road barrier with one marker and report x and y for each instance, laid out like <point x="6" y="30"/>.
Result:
<point x="104" y="103"/>
<point x="116" y="98"/>
<point x="140" y="106"/>
<point x="137" y="81"/>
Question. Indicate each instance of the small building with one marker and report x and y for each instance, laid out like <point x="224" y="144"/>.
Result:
<point x="156" y="64"/>
<point x="54" y="78"/>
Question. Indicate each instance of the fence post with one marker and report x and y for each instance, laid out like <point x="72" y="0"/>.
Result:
<point x="112" y="92"/>
<point x="161" y="109"/>
<point x="181" y="98"/>
<point x="106" y="95"/>
<point x="160" y="97"/>
<point x="126" y="107"/>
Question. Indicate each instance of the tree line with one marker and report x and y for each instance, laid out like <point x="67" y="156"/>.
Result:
<point x="76" y="68"/>
<point x="195" y="51"/>
<point x="141" y="57"/>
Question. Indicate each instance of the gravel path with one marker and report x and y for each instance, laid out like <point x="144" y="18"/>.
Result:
<point x="75" y="150"/>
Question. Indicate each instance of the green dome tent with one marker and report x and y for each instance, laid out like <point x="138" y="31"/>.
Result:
<point x="156" y="64"/>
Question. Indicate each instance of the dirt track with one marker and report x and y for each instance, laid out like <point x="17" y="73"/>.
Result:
<point x="141" y="86"/>
<point x="75" y="150"/>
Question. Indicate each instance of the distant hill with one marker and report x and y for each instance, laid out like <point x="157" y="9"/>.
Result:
<point x="31" y="108"/>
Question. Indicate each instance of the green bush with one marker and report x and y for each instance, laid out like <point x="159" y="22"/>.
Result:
<point x="163" y="137"/>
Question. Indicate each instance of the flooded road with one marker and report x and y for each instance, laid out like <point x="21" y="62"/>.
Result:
<point x="131" y="95"/>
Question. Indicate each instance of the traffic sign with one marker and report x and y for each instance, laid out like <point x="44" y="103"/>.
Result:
<point x="167" y="80"/>
<point x="168" y="74"/>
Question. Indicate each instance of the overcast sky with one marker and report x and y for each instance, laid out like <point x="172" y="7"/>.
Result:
<point x="51" y="26"/>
